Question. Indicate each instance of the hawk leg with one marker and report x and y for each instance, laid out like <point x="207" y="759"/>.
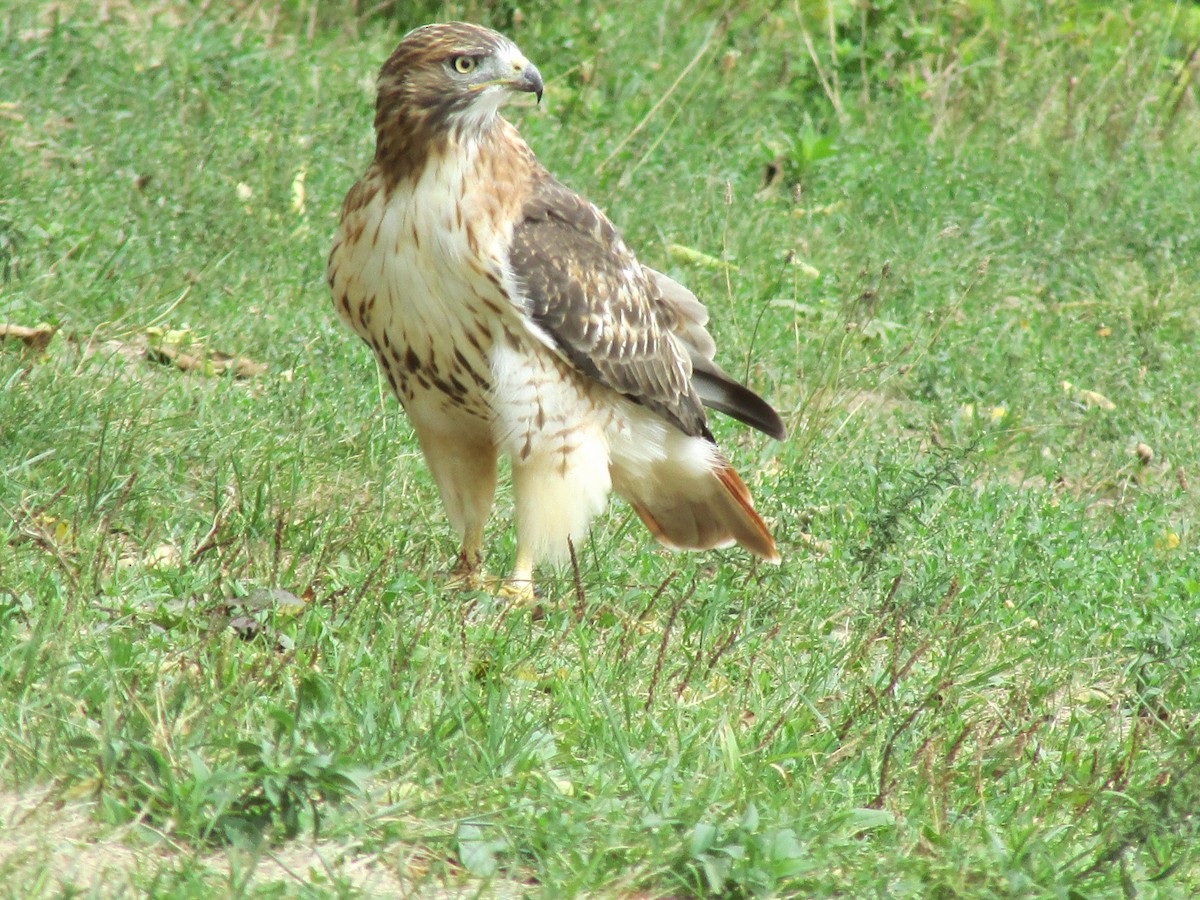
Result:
<point x="464" y="469"/>
<point x="558" y="489"/>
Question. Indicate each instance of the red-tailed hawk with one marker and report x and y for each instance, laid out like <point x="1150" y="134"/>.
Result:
<point x="511" y="318"/>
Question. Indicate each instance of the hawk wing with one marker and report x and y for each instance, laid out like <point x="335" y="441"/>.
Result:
<point x="716" y="389"/>
<point x="627" y="326"/>
<point x="585" y="288"/>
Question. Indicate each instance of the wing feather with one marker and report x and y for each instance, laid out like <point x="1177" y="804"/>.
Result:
<point x="621" y="323"/>
<point x="715" y="387"/>
<point x="585" y="288"/>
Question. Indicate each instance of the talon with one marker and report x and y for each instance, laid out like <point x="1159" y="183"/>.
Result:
<point x="519" y="592"/>
<point x="469" y="581"/>
<point x="467" y="563"/>
<point x="468" y="574"/>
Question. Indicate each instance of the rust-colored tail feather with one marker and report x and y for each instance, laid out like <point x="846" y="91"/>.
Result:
<point x="714" y="512"/>
<point x="753" y="533"/>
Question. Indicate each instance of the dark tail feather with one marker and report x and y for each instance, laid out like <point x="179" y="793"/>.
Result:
<point x="720" y="392"/>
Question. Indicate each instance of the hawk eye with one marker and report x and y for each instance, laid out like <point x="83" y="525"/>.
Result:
<point x="463" y="64"/>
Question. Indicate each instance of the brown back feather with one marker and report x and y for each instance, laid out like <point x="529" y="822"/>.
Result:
<point x="587" y="290"/>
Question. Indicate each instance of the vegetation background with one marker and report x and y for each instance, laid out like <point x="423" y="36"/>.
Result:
<point x="956" y="242"/>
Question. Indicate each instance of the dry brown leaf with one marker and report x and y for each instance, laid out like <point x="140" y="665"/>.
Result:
<point x="131" y="352"/>
<point x="207" y="362"/>
<point x="241" y="366"/>
<point x="36" y="338"/>
<point x="164" y="556"/>
<point x="1090" y="399"/>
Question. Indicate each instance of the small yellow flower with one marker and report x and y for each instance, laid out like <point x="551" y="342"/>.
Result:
<point x="1169" y="541"/>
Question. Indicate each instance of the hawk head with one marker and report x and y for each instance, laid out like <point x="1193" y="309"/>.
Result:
<point x="443" y="81"/>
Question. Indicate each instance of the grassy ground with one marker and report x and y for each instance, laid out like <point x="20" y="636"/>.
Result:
<point x="957" y="244"/>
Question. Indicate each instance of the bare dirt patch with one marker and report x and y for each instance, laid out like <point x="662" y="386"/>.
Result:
<point x="52" y="845"/>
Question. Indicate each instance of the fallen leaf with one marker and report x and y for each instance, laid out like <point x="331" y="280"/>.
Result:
<point x="36" y="338"/>
<point x="815" y="543"/>
<point x="687" y="254"/>
<point x="180" y="348"/>
<point x="268" y="598"/>
<point x="477" y="852"/>
<point x="1095" y="398"/>
<point x="299" y="193"/>
<point x="1088" y="398"/>
<point x="249" y="616"/>
<point x="164" y="556"/>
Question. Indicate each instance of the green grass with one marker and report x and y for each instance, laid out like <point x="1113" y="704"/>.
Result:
<point x="965" y="247"/>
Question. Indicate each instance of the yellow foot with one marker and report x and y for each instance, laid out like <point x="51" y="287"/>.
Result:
<point x="518" y="592"/>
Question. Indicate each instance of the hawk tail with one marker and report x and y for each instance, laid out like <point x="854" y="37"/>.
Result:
<point x="718" y="391"/>
<point x="714" y="510"/>
<point x="752" y="532"/>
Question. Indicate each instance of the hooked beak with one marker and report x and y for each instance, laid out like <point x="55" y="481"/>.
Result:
<point x="526" y="78"/>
